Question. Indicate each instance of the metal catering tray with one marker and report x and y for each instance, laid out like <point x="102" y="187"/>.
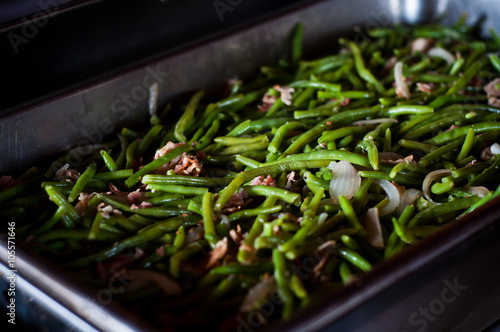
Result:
<point x="447" y="282"/>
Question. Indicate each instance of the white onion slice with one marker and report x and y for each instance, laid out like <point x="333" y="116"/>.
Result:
<point x="169" y="286"/>
<point x="407" y="199"/>
<point x="258" y="293"/>
<point x="477" y="190"/>
<point x="345" y="179"/>
<point x="392" y="195"/>
<point x="495" y="148"/>
<point x="322" y="217"/>
<point x="400" y="83"/>
<point x="442" y="53"/>
<point x="153" y="99"/>
<point x="374" y="121"/>
<point x="371" y="222"/>
<point x="426" y="185"/>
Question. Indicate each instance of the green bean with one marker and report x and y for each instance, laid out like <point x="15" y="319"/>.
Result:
<point x="280" y="276"/>
<point x="268" y="191"/>
<point x="435" y="211"/>
<point x="308" y="223"/>
<point x="345" y="94"/>
<point x="281" y="132"/>
<point x="315" y="84"/>
<point x="96" y="226"/>
<point x="340" y="118"/>
<point x="185" y="253"/>
<point x="323" y="155"/>
<point x="225" y="140"/>
<point x="61" y="201"/>
<point x="439" y="152"/>
<point x="237" y="149"/>
<point x="150" y="211"/>
<point x="359" y="63"/>
<point x="180" y="126"/>
<point x="462" y="131"/>
<point x="130" y="153"/>
<point x="208" y="220"/>
<point x="148" y="139"/>
<point x="51" y="222"/>
<point x="249" y="125"/>
<point x="329" y="136"/>
<point x="236" y="268"/>
<point x="409" y="109"/>
<point x="114" y="175"/>
<point x="354" y="258"/>
<point x="485" y="175"/>
<point x="351" y="215"/>
<point x="207" y="138"/>
<point x="178" y="189"/>
<point x="253" y="212"/>
<point x="185" y="180"/>
<point x="468" y="74"/>
<point x="108" y="161"/>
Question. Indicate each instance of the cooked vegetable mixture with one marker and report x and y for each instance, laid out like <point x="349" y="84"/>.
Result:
<point x="296" y="182"/>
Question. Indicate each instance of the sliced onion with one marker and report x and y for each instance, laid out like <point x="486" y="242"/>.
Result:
<point x="322" y="217"/>
<point x="495" y="148"/>
<point x="153" y="99"/>
<point x="426" y="185"/>
<point x="374" y="121"/>
<point x="400" y="83"/>
<point x="258" y="293"/>
<point x="371" y="222"/>
<point x="392" y="195"/>
<point x="170" y="287"/>
<point x="345" y="179"/>
<point x="442" y="53"/>
<point x="407" y="199"/>
<point x="477" y="191"/>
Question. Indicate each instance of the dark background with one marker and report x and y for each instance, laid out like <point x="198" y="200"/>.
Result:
<point x="86" y="39"/>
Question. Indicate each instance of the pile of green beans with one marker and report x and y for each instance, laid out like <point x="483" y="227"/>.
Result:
<point x="217" y="236"/>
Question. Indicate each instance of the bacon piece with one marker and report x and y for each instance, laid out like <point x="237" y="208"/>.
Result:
<point x="65" y="171"/>
<point x="289" y="180"/>
<point x="83" y="202"/>
<point x="493" y="93"/>
<point x="135" y="196"/>
<point x="182" y="165"/>
<point x="219" y="251"/>
<point x="234" y="203"/>
<point x="236" y="235"/>
<point x="259" y="180"/>
<point x="143" y="205"/>
<point x="107" y="210"/>
<point x="267" y="101"/>
<point x="425" y="87"/>
<point x="345" y="102"/>
<point x="187" y="165"/>
<point x="486" y="153"/>
<point x="167" y="148"/>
